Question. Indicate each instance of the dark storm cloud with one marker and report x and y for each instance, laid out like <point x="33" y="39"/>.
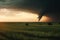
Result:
<point x="38" y="4"/>
<point x="6" y="3"/>
<point x="54" y="10"/>
<point x="24" y="3"/>
<point x="33" y="4"/>
<point x="50" y="7"/>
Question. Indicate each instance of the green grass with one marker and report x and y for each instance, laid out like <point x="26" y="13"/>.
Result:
<point x="32" y="27"/>
<point x="32" y="31"/>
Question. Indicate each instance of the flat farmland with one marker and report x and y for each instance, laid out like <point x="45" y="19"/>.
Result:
<point x="29" y="31"/>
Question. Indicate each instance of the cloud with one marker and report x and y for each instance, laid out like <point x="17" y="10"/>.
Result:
<point x="11" y="3"/>
<point x="53" y="6"/>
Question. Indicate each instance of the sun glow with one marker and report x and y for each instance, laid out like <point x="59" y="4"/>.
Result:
<point x="12" y="15"/>
<point x="46" y="19"/>
<point x="8" y="15"/>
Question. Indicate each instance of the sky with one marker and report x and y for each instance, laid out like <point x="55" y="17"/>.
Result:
<point x="50" y="8"/>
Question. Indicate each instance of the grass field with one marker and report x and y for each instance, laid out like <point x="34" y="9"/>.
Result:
<point x="29" y="31"/>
